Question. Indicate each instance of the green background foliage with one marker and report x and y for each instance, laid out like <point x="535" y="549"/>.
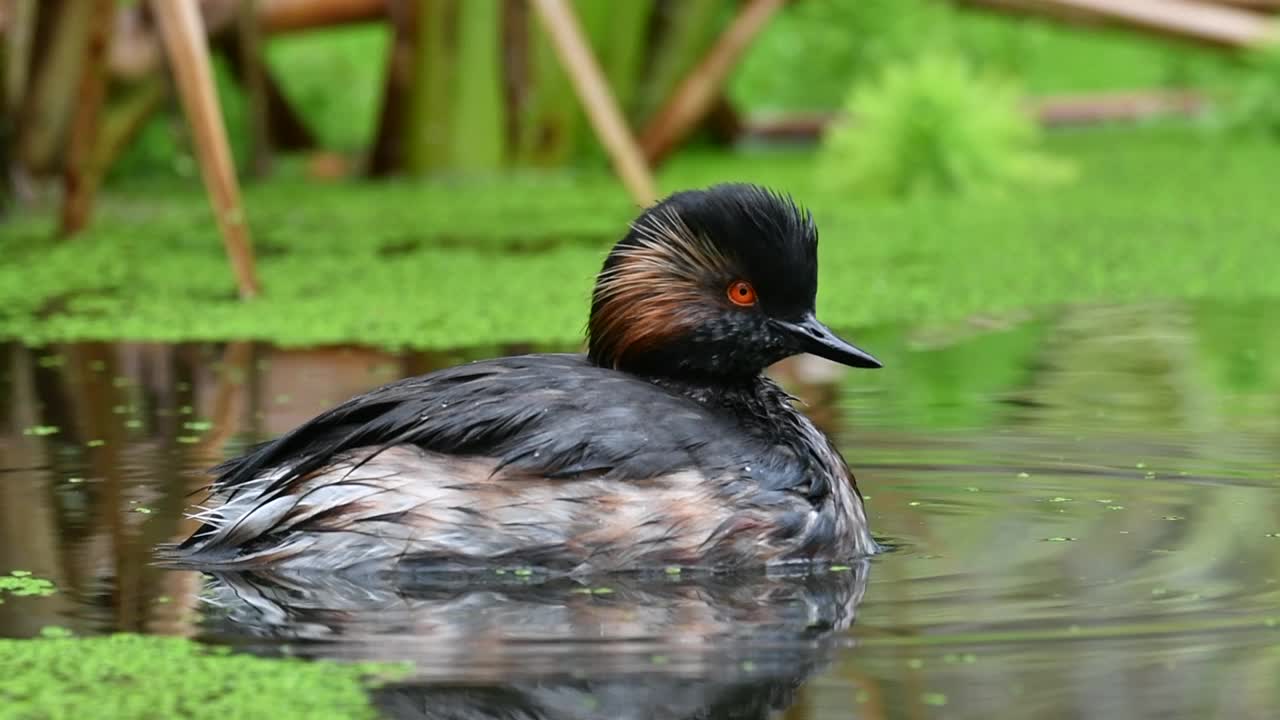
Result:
<point x="933" y="125"/>
<point x="513" y="259"/>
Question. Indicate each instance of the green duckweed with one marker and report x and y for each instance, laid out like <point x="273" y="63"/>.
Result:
<point x="22" y="583"/>
<point x="134" y="676"/>
<point x="434" y="265"/>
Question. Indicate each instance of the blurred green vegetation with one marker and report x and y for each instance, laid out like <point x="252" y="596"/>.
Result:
<point x="830" y="44"/>
<point x="1160" y="212"/>
<point x="334" y="76"/>
<point x="935" y="124"/>
<point x="1255" y="107"/>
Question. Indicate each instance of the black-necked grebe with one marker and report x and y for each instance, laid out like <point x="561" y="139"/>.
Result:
<point x="664" y="445"/>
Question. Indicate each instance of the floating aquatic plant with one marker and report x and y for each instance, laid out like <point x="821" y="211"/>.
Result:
<point x="133" y="676"/>
<point x="328" y="280"/>
<point x="41" y="430"/>
<point x="933" y="699"/>
<point x="22" y="583"/>
<point x="1253" y="106"/>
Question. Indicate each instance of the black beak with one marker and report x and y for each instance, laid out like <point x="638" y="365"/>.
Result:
<point x="815" y="338"/>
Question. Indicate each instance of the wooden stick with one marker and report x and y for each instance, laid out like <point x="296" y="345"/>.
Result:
<point x="1052" y="111"/>
<point x="387" y="153"/>
<point x="255" y="84"/>
<point x="45" y="119"/>
<point x="280" y="16"/>
<point x="1267" y="6"/>
<point x="697" y="93"/>
<point x="593" y="91"/>
<point x="136" y="52"/>
<point x="1093" y="108"/>
<point x="1216" y="25"/>
<point x="19" y="35"/>
<point x="81" y="175"/>
<point x="184" y="40"/>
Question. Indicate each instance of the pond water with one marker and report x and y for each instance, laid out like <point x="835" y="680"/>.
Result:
<point x="1083" y="507"/>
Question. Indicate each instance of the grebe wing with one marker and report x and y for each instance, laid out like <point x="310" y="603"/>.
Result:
<point x="549" y="415"/>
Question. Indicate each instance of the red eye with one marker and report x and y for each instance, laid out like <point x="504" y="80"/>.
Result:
<point x="742" y="294"/>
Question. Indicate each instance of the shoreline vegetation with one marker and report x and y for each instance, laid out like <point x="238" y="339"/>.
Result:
<point x="1158" y="212"/>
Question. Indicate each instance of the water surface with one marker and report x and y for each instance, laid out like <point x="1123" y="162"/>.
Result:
<point x="1082" y="506"/>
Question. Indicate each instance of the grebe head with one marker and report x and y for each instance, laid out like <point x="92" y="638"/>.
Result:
<point x="713" y="284"/>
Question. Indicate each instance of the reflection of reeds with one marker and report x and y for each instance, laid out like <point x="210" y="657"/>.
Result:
<point x="140" y="404"/>
<point x="132" y="489"/>
<point x="229" y="401"/>
<point x="229" y="407"/>
<point x="28" y="520"/>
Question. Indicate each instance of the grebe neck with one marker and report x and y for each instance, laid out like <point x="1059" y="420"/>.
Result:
<point x="754" y="401"/>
